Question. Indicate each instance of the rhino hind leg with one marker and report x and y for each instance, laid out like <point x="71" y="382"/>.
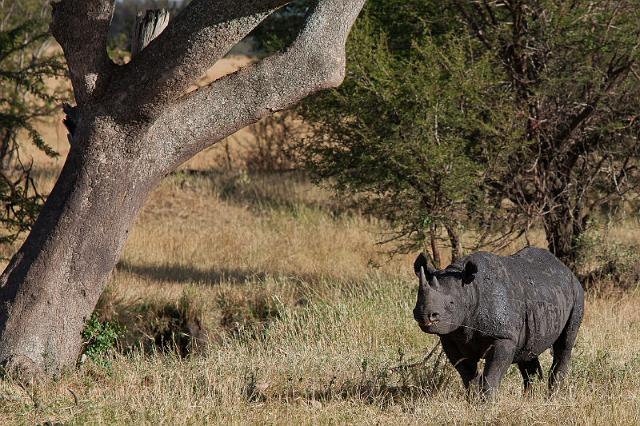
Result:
<point x="529" y="370"/>
<point x="562" y="348"/>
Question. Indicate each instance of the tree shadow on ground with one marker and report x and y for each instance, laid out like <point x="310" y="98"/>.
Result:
<point x="185" y="325"/>
<point x="189" y="274"/>
<point x="212" y="276"/>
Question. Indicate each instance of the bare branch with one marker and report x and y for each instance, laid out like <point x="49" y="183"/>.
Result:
<point x="81" y="27"/>
<point x="315" y="61"/>
<point x="193" y="42"/>
<point x="148" y="26"/>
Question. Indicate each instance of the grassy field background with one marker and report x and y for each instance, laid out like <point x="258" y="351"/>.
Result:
<point x="253" y="299"/>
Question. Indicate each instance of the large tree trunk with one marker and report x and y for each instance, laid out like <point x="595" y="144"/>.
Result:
<point x="560" y="240"/>
<point x="563" y="230"/>
<point x="53" y="283"/>
<point x="132" y="125"/>
<point x="456" y="243"/>
<point x="437" y="258"/>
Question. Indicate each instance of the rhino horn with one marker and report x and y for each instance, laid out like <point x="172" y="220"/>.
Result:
<point x="434" y="281"/>
<point x="422" y="263"/>
<point x="424" y="283"/>
<point x="430" y="282"/>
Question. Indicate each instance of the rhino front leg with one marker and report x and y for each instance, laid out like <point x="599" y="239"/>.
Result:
<point x="499" y="358"/>
<point x="467" y="368"/>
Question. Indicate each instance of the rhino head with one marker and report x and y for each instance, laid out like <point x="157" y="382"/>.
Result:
<point x="441" y="306"/>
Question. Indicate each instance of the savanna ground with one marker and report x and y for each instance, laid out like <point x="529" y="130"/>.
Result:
<point x="256" y="299"/>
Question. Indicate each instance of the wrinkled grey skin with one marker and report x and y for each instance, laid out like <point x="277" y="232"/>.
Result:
<point x="505" y="310"/>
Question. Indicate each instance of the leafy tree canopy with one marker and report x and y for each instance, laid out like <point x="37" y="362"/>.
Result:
<point x="485" y="116"/>
<point x="418" y="125"/>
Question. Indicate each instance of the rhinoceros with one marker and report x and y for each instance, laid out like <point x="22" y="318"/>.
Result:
<point x="504" y="309"/>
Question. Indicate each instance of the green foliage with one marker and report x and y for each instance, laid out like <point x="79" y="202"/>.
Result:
<point x="418" y="123"/>
<point x="572" y="69"/>
<point x="100" y="338"/>
<point x="26" y="66"/>
<point x="280" y="29"/>
<point x="21" y="203"/>
<point x="490" y="117"/>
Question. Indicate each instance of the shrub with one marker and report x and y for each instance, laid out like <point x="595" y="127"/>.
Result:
<point x="100" y="338"/>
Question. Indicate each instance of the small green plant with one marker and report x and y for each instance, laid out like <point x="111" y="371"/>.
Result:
<point x="100" y="338"/>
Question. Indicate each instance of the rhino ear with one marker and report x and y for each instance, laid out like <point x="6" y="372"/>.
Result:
<point x="469" y="272"/>
<point x="422" y="261"/>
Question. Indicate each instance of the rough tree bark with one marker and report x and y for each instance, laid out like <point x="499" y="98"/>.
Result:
<point x="563" y="226"/>
<point x="132" y="125"/>
<point x="456" y="242"/>
<point x="433" y="235"/>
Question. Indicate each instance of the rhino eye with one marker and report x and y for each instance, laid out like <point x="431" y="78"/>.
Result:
<point x="451" y="302"/>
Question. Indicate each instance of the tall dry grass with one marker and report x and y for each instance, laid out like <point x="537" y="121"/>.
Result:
<point x="306" y="320"/>
<point x="252" y="299"/>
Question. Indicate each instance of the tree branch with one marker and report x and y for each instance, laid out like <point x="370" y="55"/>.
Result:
<point x="81" y="27"/>
<point x="315" y="61"/>
<point x="148" y="26"/>
<point x="192" y="43"/>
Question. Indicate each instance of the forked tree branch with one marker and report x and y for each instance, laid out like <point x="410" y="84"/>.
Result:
<point x="192" y="43"/>
<point x="315" y="61"/>
<point x="81" y="27"/>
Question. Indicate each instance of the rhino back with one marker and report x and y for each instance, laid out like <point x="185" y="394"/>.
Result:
<point x="526" y="297"/>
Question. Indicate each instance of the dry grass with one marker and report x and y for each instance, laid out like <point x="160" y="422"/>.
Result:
<point x="297" y="317"/>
